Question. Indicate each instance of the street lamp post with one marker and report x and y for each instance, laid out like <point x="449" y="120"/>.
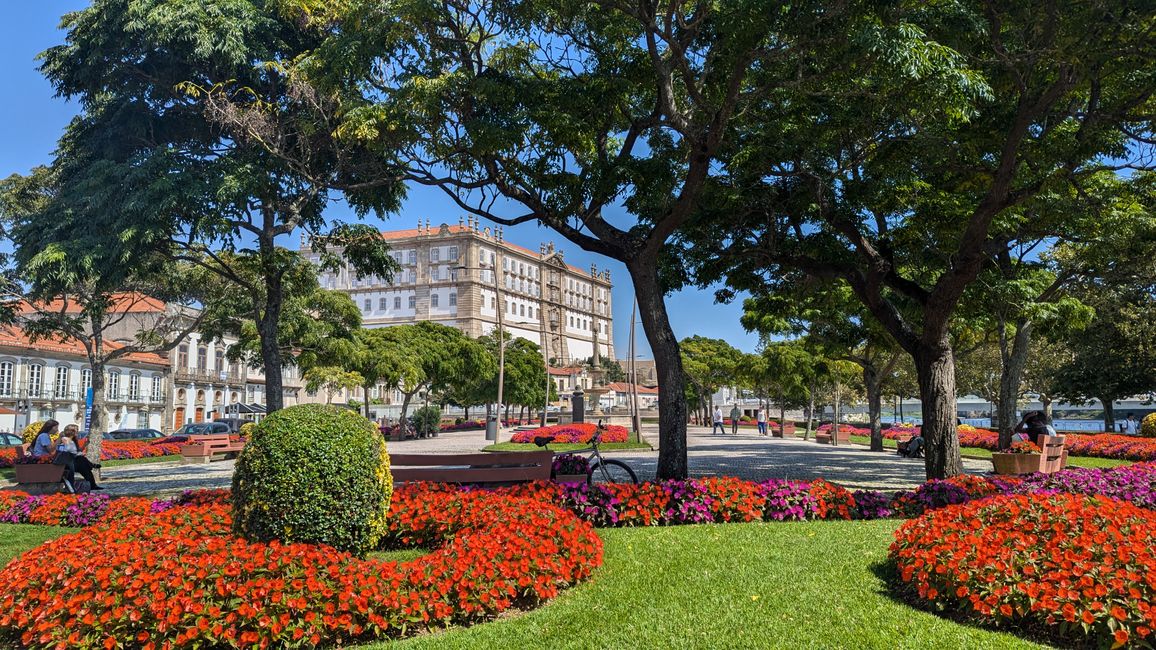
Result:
<point x="501" y="308"/>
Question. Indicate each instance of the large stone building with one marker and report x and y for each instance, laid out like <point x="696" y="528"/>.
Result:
<point x="448" y="275"/>
<point x="49" y="379"/>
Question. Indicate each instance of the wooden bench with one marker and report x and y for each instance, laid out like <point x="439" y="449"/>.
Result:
<point x="1053" y="458"/>
<point x="824" y="437"/>
<point x="498" y="467"/>
<point x="206" y="448"/>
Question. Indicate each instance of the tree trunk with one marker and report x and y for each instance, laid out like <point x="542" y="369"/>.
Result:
<point x="935" y="368"/>
<point x="1109" y="414"/>
<point x="873" y="382"/>
<point x="668" y="364"/>
<point x="97" y="426"/>
<point x="367" y="387"/>
<point x="835" y="417"/>
<point x="782" y="419"/>
<point x="405" y="409"/>
<point x="810" y="411"/>
<point x="1014" y="360"/>
<point x="1046" y="402"/>
<point x="271" y="355"/>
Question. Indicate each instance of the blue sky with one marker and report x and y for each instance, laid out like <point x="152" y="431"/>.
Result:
<point x="31" y="120"/>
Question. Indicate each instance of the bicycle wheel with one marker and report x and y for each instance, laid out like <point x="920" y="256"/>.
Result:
<point x="618" y="471"/>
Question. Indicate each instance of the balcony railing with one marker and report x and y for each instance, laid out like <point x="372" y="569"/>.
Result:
<point x="50" y="394"/>
<point x="208" y="377"/>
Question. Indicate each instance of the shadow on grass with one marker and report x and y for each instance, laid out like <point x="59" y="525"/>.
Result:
<point x="899" y="592"/>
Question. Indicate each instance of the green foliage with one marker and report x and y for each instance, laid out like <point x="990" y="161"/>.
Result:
<point x="28" y="435"/>
<point x="709" y="364"/>
<point x="332" y="379"/>
<point x="313" y="474"/>
<point x="246" y="430"/>
<point x="426" y="420"/>
<point x="1148" y="426"/>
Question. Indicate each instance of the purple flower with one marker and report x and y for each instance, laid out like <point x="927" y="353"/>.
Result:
<point x="87" y="510"/>
<point x="787" y="500"/>
<point x="870" y="504"/>
<point x="689" y="502"/>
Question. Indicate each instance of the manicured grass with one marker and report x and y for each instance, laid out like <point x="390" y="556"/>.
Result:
<point x="979" y="453"/>
<point x="605" y="446"/>
<point x="10" y="473"/>
<point x="775" y="585"/>
<point x="17" y="538"/>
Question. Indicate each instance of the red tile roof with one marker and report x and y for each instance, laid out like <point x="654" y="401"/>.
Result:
<point x="14" y="337"/>
<point x="566" y="371"/>
<point x="624" y="387"/>
<point x="122" y="302"/>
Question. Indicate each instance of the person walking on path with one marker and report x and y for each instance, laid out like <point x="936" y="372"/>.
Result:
<point x="718" y="421"/>
<point x="735" y="413"/>
<point x="761" y="420"/>
<point x="1131" y="425"/>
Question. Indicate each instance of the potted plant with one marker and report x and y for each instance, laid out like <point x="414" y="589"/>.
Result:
<point x="570" y="468"/>
<point x="1022" y="457"/>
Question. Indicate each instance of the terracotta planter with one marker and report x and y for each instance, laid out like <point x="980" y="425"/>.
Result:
<point x="39" y="473"/>
<point x="570" y="478"/>
<point x="1009" y="464"/>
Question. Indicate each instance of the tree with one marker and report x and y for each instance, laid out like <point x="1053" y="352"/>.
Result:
<point x="709" y="364"/>
<point x="375" y="356"/>
<point x="170" y="155"/>
<point x="331" y="378"/>
<point x="443" y="356"/>
<point x="76" y="293"/>
<point x="557" y="112"/>
<point x="836" y="324"/>
<point x="787" y="367"/>
<point x="923" y="162"/>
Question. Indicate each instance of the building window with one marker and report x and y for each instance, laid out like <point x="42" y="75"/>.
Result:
<point x="368" y="305"/>
<point x="505" y="264"/>
<point x="220" y="360"/>
<point x="530" y="312"/>
<point x="113" y="384"/>
<point x="397" y="302"/>
<point x="86" y="379"/>
<point x="35" y="380"/>
<point x="433" y="300"/>
<point x="134" y="386"/>
<point x="413" y="302"/>
<point x="381" y="304"/>
<point x="183" y="357"/>
<point x="435" y="254"/>
<point x="61" y="381"/>
<point x="202" y="357"/>
<point x="453" y="255"/>
<point x="522" y="310"/>
<point x="571" y="321"/>
<point x="435" y="274"/>
<point x="413" y="257"/>
<point x="157" y="385"/>
<point x="6" y="369"/>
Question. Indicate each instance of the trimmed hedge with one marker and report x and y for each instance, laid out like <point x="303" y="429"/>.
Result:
<point x="315" y="474"/>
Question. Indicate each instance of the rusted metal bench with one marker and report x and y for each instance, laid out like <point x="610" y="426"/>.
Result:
<point x="203" y="449"/>
<point x="40" y="478"/>
<point x="481" y="468"/>
<point x="824" y="437"/>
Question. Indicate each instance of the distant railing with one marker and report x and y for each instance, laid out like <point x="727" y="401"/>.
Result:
<point x="207" y="377"/>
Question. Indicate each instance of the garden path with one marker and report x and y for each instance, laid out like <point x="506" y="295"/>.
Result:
<point x="745" y="455"/>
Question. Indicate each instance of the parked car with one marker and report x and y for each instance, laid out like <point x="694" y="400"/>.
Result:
<point x="234" y="424"/>
<point x="134" y="434"/>
<point x="202" y="428"/>
<point x="10" y="440"/>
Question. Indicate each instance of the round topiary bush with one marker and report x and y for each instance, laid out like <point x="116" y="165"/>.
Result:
<point x="1148" y="426"/>
<point x="246" y="430"/>
<point x="316" y="474"/>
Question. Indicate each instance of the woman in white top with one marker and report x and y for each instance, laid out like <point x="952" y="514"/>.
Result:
<point x="80" y="464"/>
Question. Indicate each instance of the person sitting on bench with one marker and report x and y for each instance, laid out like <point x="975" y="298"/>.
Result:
<point x="912" y="448"/>
<point x="77" y="462"/>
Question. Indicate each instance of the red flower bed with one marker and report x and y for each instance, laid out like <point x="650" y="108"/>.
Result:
<point x="572" y="433"/>
<point x="180" y="579"/>
<point x="1081" y="567"/>
<point x="114" y="450"/>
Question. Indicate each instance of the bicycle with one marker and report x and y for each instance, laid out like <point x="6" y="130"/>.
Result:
<point x="611" y="470"/>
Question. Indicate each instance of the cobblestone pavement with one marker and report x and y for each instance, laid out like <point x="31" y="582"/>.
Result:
<point x="745" y="455"/>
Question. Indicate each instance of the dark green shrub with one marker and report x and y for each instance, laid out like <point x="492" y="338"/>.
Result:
<point x="427" y="420"/>
<point x="316" y="474"/>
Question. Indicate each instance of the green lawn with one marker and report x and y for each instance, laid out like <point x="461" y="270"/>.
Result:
<point x="980" y="453"/>
<point x="10" y="473"/>
<point x="606" y="446"/>
<point x="774" y="585"/>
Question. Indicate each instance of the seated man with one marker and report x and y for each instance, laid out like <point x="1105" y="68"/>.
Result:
<point x="912" y="448"/>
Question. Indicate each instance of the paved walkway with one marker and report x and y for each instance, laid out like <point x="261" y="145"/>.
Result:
<point x="745" y="455"/>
